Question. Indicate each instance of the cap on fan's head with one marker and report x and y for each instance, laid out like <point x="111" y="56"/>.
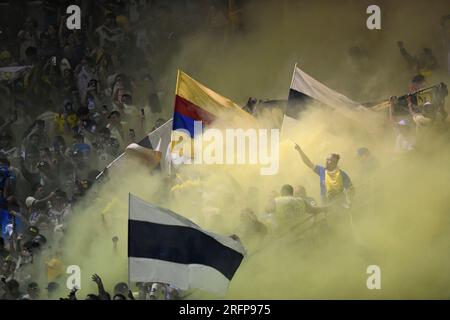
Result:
<point x="363" y="151"/>
<point x="33" y="230"/>
<point x="29" y="201"/>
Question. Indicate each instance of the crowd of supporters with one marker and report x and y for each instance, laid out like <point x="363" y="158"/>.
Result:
<point x="71" y="101"/>
<point x="85" y="96"/>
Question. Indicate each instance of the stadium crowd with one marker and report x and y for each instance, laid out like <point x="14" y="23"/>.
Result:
<point x="71" y="101"/>
<point x="81" y="101"/>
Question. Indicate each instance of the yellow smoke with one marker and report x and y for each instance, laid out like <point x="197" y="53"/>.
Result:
<point x="400" y="215"/>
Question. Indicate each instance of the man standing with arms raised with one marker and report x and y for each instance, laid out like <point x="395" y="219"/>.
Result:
<point x="336" y="189"/>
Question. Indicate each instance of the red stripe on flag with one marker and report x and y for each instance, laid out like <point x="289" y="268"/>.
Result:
<point x="188" y="109"/>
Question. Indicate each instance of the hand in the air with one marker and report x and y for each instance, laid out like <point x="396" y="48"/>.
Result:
<point x="96" y="279"/>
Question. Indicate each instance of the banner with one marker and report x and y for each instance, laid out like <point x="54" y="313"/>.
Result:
<point x="305" y="89"/>
<point x="167" y="248"/>
<point x="153" y="149"/>
<point x="435" y="94"/>
<point x="13" y="73"/>
<point x="196" y="102"/>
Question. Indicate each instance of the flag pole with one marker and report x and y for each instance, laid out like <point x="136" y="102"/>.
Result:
<point x="128" y="240"/>
<point x="110" y="165"/>
<point x="293" y="74"/>
<point x="178" y="79"/>
<point x="169" y="149"/>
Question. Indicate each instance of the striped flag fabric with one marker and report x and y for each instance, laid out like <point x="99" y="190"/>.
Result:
<point x="167" y="248"/>
<point x="153" y="150"/>
<point x="151" y="158"/>
<point x="436" y="94"/>
<point x="196" y="102"/>
<point x="155" y="146"/>
<point x="13" y="73"/>
<point x="305" y="89"/>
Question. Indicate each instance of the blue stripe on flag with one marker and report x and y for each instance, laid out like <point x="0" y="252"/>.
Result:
<point x="182" y="122"/>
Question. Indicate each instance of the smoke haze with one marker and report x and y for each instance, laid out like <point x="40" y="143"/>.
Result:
<point x="400" y="215"/>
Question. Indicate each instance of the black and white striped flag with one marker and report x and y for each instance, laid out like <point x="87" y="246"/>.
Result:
<point x="168" y="248"/>
<point x="305" y="89"/>
<point x="156" y="141"/>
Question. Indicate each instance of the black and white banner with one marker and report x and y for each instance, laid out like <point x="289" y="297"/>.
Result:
<point x="157" y="140"/>
<point x="166" y="247"/>
<point x="13" y="73"/>
<point x="305" y="89"/>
